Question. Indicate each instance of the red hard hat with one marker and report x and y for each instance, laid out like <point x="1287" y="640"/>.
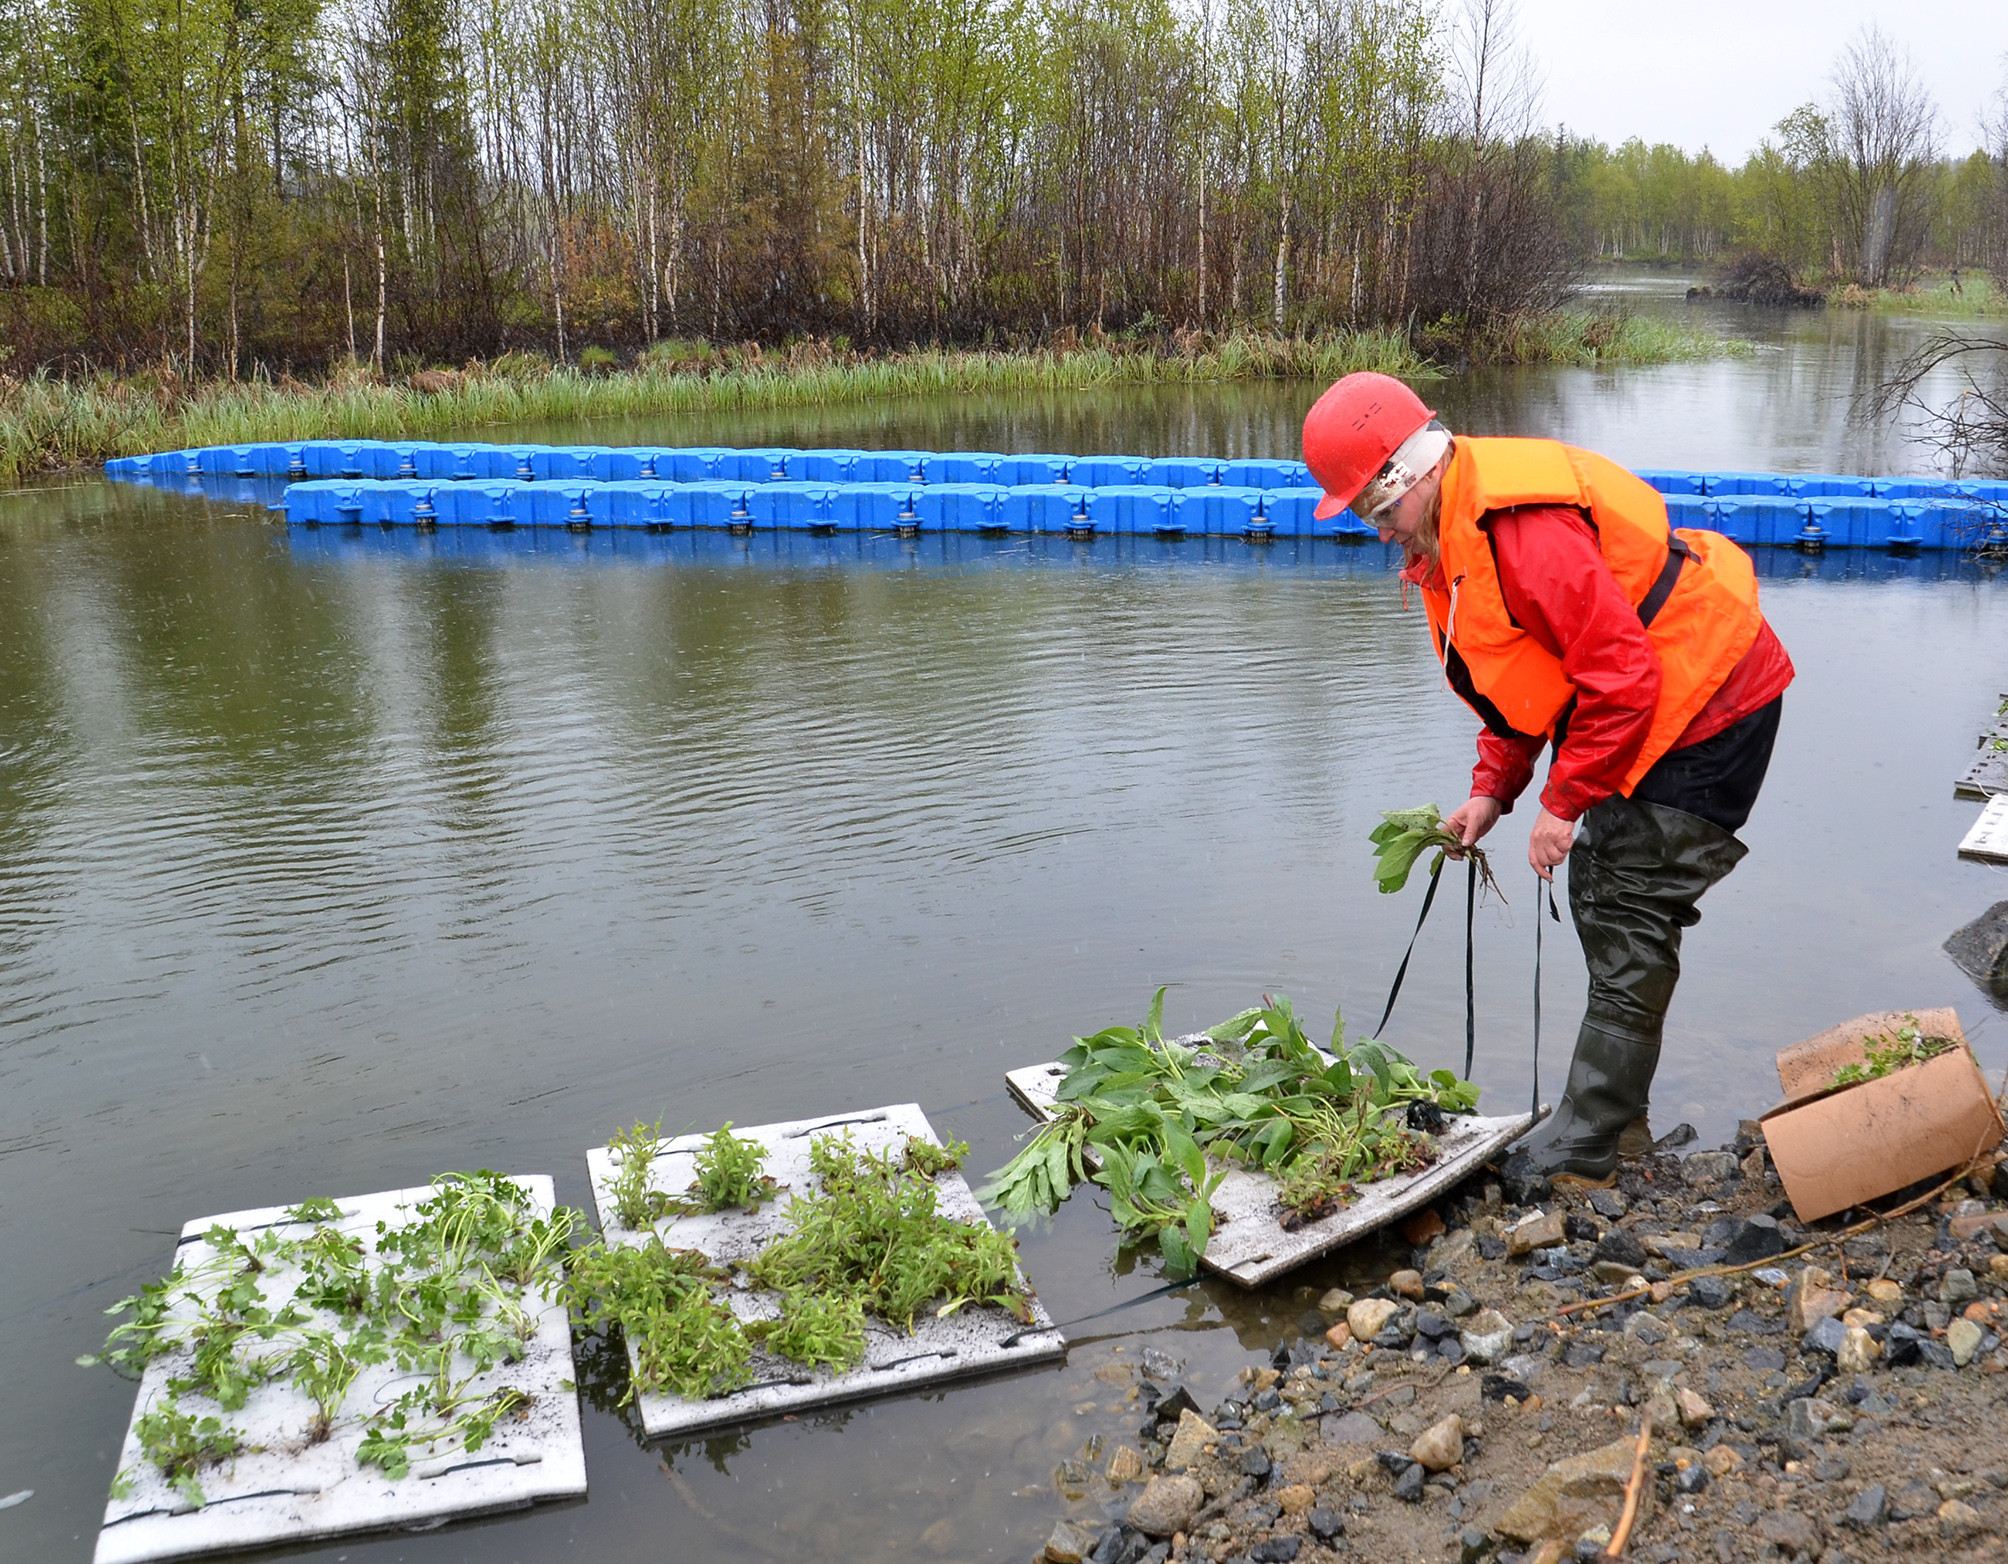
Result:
<point x="1353" y="429"/>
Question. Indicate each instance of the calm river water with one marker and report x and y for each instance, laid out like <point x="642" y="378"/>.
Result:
<point x="325" y="867"/>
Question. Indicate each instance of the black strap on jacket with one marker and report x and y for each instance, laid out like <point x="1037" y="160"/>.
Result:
<point x="1677" y="554"/>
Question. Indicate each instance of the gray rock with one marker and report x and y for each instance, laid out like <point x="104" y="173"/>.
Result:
<point x="1902" y="1346"/>
<point x="1253" y="1462"/>
<point x="1277" y="1550"/>
<point x="1351" y="1428"/>
<point x="1166" y="1505"/>
<point x="1527" y="1367"/>
<point x="1790" y="1533"/>
<point x="1408" y="1486"/>
<point x="1912" y="1501"/>
<point x="1711" y="1292"/>
<point x="1159" y="1364"/>
<point x="1958" y="1289"/>
<point x="1473" y="1544"/>
<point x="1757" y="1239"/>
<point x="1868" y="1508"/>
<point x="1825" y="1337"/>
<point x="1459" y="1304"/>
<point x="1808" y="1417"/>
<point x="1486" y="1337"/>
<point x="1326" y="1523"/>
<point x="1582" y="1354"/>
<point x="1980" y="949"/>
<point x="1608" y="1203"/>
<point x="1068" y="1544"/>
<point x="1704" y="1168"/>
<point x="1620" y="1246"/>
<point x="1765" y="1360"/>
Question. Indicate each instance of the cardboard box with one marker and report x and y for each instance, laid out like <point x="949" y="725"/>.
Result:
<point x="1838" y="1148"/>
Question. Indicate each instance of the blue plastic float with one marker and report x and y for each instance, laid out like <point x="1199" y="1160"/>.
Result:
<point x="430" y="484"/>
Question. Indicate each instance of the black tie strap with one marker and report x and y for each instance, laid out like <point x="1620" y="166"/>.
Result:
<point x="1435" y="876"/>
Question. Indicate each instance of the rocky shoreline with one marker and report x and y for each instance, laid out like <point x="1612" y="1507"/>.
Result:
<point x="1483" y="1403"/>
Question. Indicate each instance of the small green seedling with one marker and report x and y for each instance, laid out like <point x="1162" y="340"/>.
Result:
<point x="728" y="1173"/>
<point x="927" y="1159"/>
<point x="1886" y="1055"/>
<point x="637" y="1203"/>
<point x="180" y="1445"/>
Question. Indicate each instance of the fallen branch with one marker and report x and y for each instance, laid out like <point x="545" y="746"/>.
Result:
<point x="1634" y="1490"/>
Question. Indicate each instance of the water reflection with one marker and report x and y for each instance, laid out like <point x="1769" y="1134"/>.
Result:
<point x="333" y="860"/>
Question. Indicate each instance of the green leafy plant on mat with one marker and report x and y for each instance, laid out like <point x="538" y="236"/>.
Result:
<point x="825" y="1329"/>
<point x="928" y="1159"/>
<point x="1404" y="835"/>
<point x="728" y="1173"/>
<point x="1887" y="1055"/>
<point x="1165" y="1121"/>
<point x="636" y="1202"/>
<point x="445" y="1290"/>
<point x="867" y="1240"/>
<point x="685" y="1338"/>
<point x="180" y="1445"/>
<point x="874" y="1231"/>
<point x="429" y="1426"/>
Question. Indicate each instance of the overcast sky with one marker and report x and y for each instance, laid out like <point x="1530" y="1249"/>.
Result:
<point x="1721" y="73"/>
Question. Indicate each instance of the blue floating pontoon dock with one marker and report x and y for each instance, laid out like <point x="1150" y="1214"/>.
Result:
<point x="426" y="484"/>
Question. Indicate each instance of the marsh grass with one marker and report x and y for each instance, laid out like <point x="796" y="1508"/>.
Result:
<point x="48" y="424"/>
<point x="1977" y="296"/>
<point x="1586" y="337"/>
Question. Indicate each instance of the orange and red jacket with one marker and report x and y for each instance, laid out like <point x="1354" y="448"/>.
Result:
<point x="1564" y="608"/>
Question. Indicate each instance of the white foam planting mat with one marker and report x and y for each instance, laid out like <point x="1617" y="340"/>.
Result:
<point x="1249" y="1244"/>
<point x="1987" y="842"/>
<point x="976" y="1339"/>
<point x="283" y="1486"/>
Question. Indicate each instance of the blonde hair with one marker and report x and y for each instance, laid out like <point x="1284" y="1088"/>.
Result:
<point x="1424" y="543"/>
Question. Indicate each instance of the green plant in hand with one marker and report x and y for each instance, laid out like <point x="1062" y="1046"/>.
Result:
<point x="1404" y="835"/>
<point x="1165" y="1121"/>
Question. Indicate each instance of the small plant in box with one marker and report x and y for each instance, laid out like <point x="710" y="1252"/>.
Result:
<point x="1886" y="1055"/>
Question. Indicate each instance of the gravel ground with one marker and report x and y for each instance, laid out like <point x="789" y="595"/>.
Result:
<point x="1846" y="1405"/>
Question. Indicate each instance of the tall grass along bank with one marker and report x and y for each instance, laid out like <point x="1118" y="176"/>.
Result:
<point x="49" y="424"/>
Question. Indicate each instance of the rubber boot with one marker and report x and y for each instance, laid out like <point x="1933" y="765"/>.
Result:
<point x="1635" y="873"/>
<point x="1609" y="1078"/>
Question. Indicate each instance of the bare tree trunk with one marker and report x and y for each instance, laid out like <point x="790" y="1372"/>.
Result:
<point x="1282" y="261"/>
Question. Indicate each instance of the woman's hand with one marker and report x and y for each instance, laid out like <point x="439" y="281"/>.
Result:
<point x="1472" y="819"/>
<point x="1549" y="843"/>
